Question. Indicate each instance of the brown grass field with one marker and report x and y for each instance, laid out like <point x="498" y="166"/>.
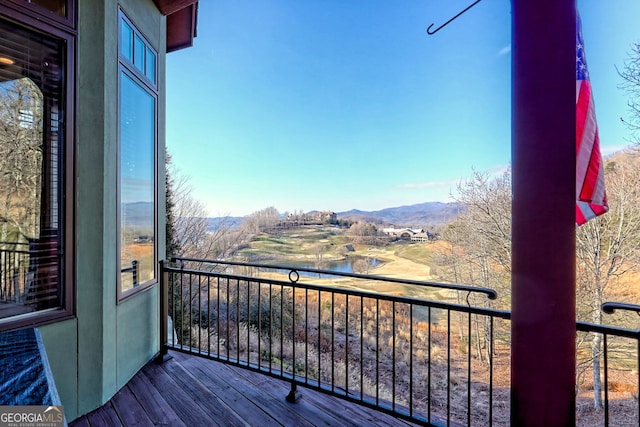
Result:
<point x="144" y="254"/>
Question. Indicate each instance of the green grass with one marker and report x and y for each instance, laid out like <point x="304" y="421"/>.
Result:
<point x="302" y="241"/>
<point x="417" y="252"/>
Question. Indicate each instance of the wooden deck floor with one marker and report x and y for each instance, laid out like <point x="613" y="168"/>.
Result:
<point x="194" y="392"/>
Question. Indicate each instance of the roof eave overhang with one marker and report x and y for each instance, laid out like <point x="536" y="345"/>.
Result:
<point x="182" y="21"/>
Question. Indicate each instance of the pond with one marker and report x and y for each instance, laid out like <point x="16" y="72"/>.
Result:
<point x="339" y="266"/>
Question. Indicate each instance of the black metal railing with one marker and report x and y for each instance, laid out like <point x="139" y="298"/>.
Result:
<point x="430" y="353"/>
<point x="615" y="352"/>
<point x="421" y="359"/>
<point x="29" y="276"/>
<point x="133" y="280"/>
<point x="14" y="271"/>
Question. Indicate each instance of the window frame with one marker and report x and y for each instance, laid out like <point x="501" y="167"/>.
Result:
<point x="22" y="15"/>
<point x="139" y="77"/>
<point x="42" y="14"/>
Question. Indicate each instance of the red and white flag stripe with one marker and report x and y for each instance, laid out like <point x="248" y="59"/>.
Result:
<point x="591" y="198"/>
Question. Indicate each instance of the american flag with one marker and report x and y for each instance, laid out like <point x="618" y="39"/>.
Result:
<point x="591" y="198"/>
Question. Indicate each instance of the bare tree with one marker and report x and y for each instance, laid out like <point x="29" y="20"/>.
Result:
<point x="479" y="249"/>
<point x="608" y="247"/>
<point x="189" y="235"/>
<point x="363" y="265"/>
<point x="481" y="235"/>
<point x="365" y="233"/>
<point x="194" y="237"/>
<point x="263" y="220"/>
<point x="190" y="218"/>
<point x="631" y="85"/>
<point x="319" y="251"/>
<point x="21" y="157"/>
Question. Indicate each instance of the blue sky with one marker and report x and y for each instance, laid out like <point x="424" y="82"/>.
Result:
<point x="335" y="105"/>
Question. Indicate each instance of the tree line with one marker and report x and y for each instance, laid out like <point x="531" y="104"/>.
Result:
<point x="189" y="233"/>
<point x="607" y="248"/>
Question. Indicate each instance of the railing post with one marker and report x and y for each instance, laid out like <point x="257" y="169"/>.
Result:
<point x="134" y="272"/>
<point x="610" y="308"/>
<point x="163" y="354"/>
<point x="294" y="395"/>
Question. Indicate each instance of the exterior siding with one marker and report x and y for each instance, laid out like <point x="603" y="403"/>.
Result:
<point x="95" y="354"/>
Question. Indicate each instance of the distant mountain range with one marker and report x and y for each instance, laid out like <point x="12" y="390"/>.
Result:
<point x="138" y="214"/>
<point x="420" y="215"/>
<point x="224" y="221"/>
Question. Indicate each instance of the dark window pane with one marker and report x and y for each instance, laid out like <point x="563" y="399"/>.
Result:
<point x="31" y="149"/>
<point x="55" y="6"/>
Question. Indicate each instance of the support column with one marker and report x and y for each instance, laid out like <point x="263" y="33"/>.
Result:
<point x="543" y="150"/>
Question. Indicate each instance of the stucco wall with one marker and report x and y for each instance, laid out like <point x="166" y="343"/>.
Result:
<point x="95" y="354"/>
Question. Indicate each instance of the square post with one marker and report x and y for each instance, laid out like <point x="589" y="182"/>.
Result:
<point x="543" y="275"/>
<point x="163" y="355"/>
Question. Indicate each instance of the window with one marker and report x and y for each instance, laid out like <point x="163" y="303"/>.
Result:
<point x="136" y="52"/>
<point x="56" y="12"/>
<point x="33" y="153"/>
<point x="59" y="7"/>
<point x="137" y="160"/>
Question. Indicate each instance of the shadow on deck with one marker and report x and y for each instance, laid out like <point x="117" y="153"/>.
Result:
<point x="192" y="391"/>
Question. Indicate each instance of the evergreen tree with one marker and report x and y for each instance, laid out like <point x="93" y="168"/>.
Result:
<point x="172" y="243"/>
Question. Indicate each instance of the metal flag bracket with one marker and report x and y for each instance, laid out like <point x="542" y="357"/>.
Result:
<point x="449" y="21"/>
